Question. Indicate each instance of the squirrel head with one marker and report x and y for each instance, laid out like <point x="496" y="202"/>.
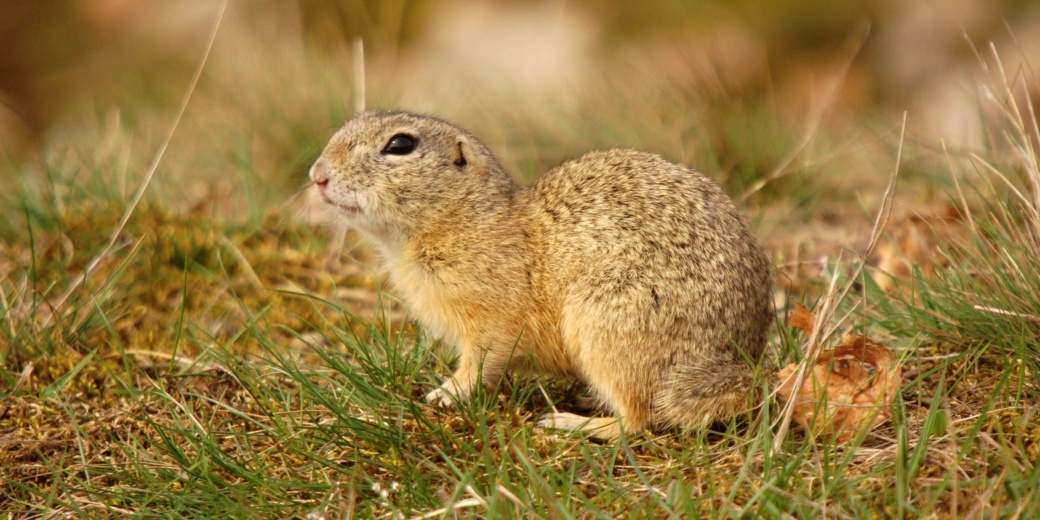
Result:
<point x="390" y="172"/>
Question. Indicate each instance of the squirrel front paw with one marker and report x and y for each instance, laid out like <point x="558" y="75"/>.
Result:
<point x="448" y="394"/>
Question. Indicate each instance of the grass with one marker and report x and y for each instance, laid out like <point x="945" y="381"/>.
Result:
<point x="224" y="359"/>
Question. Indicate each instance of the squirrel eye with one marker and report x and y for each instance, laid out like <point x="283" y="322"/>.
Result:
<point x="400" y="144"/>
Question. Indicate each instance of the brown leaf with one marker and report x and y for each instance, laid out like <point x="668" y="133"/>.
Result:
<point x="849" y="389"/>
<point x="802" y="318"/>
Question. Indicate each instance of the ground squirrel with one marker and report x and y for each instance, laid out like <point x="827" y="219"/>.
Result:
<point x="620" y="269"/>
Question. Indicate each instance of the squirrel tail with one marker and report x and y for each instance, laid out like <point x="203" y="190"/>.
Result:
<point x="696" y="396"/>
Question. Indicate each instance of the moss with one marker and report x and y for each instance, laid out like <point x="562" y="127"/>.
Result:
<point x="183" y="281"/>
<point x="91" y="381"/>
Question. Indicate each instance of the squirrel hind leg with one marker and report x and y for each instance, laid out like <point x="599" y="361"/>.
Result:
<point x="602" y="428"/>
<point x="632" y="415"/>
<point x="618" y="381"/>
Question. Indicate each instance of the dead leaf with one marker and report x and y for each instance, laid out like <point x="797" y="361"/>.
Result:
<point x="802" y="318"/>
<point x="849" y="389"/>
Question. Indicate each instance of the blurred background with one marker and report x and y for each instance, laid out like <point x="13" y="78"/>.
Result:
<point x="749" y="91"/>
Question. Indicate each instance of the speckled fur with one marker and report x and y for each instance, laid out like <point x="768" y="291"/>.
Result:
<point x="633" y="274"/>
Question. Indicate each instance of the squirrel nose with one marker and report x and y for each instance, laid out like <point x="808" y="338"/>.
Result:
<point x="320" y="173"/>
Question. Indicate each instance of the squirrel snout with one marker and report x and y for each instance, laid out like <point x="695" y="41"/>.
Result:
<point x="320" y="173"/>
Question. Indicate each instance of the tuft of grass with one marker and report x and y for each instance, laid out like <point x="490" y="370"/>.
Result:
<point x="972" y="322"/>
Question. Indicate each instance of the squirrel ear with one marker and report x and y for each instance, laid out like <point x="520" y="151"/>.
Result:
<point x="463" y="152"/>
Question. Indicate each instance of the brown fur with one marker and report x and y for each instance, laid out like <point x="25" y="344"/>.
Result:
<point x="633" y="274"/>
